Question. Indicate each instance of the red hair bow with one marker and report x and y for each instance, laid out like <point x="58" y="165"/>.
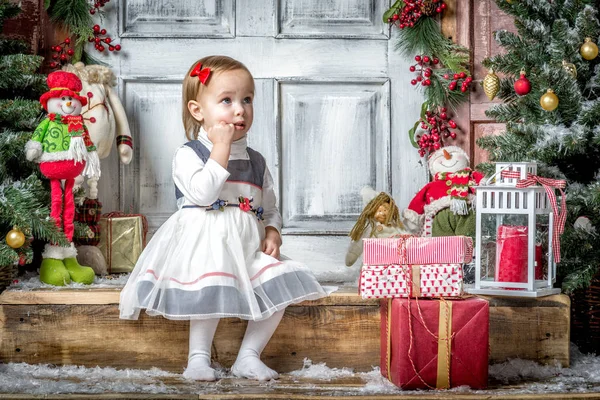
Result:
<point x="201" y="73"/>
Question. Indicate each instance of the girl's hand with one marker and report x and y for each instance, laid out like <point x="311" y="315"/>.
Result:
<point x="272" y="242"/>
<point x="221" y="133"/>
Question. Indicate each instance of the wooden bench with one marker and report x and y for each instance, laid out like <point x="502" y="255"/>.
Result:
<point x="82" y="327"/>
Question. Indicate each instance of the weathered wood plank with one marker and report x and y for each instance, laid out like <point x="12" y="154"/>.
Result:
<point x="530" y="329"/>
<point x="341" y="330"/>
<point x="342" y="297"/>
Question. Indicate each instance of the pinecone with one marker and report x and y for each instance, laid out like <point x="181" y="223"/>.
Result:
<point x="428" y="7"/>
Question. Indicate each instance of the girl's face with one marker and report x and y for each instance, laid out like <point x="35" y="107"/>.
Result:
<point x="228" y="97"/>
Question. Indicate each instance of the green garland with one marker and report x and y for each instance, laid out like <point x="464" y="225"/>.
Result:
<point x="424" y="37"/>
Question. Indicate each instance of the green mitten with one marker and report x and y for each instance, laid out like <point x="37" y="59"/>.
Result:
<point x="79" y="273"/>
<point x="53" y="272"/>
<point x="446" y="223"/>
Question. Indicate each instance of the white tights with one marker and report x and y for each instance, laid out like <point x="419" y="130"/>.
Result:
<point x="248" y="363"/>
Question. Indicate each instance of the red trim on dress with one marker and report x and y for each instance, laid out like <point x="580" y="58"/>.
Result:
<point x="151" y="271"/>
<point x="264" y="269"/>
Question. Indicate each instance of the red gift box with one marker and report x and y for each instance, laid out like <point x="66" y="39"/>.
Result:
<point x="511" y="255"/>
<point x="418" y="250"/>
<point x="435" y="343"/>
<point x="388" y="281"/>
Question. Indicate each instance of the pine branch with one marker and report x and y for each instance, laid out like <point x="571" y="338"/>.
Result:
<point x="28" y="112"/>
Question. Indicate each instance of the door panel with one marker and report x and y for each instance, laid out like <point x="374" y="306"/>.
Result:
<point x="333" y="107"/>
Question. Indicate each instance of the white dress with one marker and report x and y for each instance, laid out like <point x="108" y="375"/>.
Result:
<point x="209" y="264"/>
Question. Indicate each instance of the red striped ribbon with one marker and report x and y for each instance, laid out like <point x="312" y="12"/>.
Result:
<point x="549" y="186"/>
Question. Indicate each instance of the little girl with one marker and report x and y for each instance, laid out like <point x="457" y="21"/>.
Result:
<point x="218" y="256"/>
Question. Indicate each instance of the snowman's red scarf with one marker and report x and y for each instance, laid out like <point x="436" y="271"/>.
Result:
<point x="75" y="122"/>
<point x="460" y="186"/>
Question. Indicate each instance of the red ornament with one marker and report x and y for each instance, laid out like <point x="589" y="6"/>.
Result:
<point x="522" y="85"/>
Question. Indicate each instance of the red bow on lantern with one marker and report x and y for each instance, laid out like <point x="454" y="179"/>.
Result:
<point x="201" y="73"/>
<point x="549" y="185"/>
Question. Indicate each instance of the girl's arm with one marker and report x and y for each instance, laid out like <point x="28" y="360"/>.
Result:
<point x="198" y="182"/>
<point x="269" y="203"/>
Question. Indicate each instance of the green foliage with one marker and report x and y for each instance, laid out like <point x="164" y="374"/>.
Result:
<point x="74" y="17"/>
<point x="565" y="142"/>
<point x="24" y="197"/>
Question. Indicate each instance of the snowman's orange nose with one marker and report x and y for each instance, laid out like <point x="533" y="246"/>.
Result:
<point x="69" y="105"/>
<point x="447" y="155"/>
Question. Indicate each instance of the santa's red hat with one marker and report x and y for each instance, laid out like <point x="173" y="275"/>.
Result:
<point x="62" y="83"/>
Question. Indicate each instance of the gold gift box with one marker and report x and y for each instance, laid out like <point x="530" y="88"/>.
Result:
<point x="121" y="241"/>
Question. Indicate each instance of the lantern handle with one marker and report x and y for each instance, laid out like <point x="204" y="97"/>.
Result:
<point x="487" y="182"/>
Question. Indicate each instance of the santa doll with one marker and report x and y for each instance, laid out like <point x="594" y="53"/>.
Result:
<point x="443" y="207"/>
<point x="62" y="147"/>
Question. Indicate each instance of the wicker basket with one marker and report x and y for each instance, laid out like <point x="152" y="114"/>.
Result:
<point x="585" y="317"/>
<point x="7" y="275"/>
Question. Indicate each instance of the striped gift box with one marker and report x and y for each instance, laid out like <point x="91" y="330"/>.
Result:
<point x="418" y="250"/>
<point x="390" y="281"/>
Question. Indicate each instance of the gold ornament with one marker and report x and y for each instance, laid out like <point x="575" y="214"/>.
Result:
<point x="15" y="238"/>
<point x="491" y="84"/>
<point x="570" y="68"/>
<point x="549" y="101"/>
<point x="588" y="49"/>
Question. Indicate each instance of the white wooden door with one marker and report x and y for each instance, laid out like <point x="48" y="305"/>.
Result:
<point x="333" y="107"/>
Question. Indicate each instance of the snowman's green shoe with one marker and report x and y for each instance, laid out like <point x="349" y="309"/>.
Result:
<point x="54" y="272"/>
<point x="79" y="273"/>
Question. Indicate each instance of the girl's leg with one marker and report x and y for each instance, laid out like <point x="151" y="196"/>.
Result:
<point x="201" y="337"/>
<point x="258" y="334"/>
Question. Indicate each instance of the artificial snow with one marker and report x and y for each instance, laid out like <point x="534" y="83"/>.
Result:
<point x="509" y="378"/>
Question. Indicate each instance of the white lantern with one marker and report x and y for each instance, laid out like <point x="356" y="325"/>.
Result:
<point x="514" y="236"/>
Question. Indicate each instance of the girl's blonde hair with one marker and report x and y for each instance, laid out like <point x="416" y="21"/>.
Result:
<point x="367" y="217"/>
<point x="192" y="87"/>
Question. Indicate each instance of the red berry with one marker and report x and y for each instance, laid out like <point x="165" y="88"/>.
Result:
<point x="427" y="82"/>
<point x="437" y="146"/>
<point x="96" y="28"/>
<point x="438" y="10"/>
<point x="452" y="86"/>
<point x="453" y="135"/>
<point x="443" y="109"/>
<point x="92" y="120"/>
<point x="63" y="57"/>
<point x="426" y="59"/>
<point x="443" y="115"/>
<point x="413" y="82"/>
<point x="103" y="32"/>
<point x="395" y="17"/>
<point x="427" y="74"/>
<point x="67" y="40"/>
<point x="107" y="40"/>
<point x="462" y="75"/>
<point x="446" y="76"/>
<point x="111" y="48"/>
<point x="443" y="6"/>
<point x="456" y="76"/>
<point x="417" y="58"/>
<point x="412" y="68"/>
<point x="436" y="138"/>
<point x="463" y="89"/>
<point x="436" y="61"/>
<point x="97" y="40"/>
<point x="92" y="11"/>
<point x="53" y="64"/>
<point x="90" y="95"/>
<point x="419" y="78"/>
<point x="423" y="126"/>
<point x="118" y="47"/>
<point x="100" y="48"/>
<point x="434" y="131"/>
<point x="54" y="56"/>
<point x="411" y="24"/>
<point x="70" y="52"/>
<point x="452" y="124"/>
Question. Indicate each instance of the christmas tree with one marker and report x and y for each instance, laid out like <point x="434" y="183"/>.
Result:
<point x="552" y="113"/>
<point x="24" y="197"/>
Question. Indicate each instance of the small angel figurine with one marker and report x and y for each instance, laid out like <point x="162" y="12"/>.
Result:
<point x="380" y="219"/>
